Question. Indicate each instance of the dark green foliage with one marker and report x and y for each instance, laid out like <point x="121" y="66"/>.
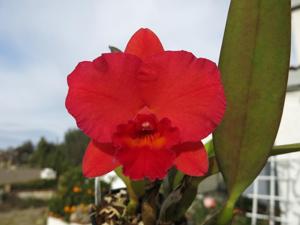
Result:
<point x="56" y="206"/>
<point x="62" y="156"/>
<point x="23" y="152"/>
<point x="41" y="155"/>
<point x="49" y="155"/>
<point x="18" y="156"/>
<point x="58" y="156"/>
<point x="75" y="143"/>
<point x="72" y="179"/>
<point x="35" y="185"/>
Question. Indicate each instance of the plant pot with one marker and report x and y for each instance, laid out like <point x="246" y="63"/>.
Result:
<point x="55" y="221"/>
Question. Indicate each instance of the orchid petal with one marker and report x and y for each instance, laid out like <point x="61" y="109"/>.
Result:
<point x="103" y="94"/>
<point x="98" y="160"/>
<point x="144" y="43"/>
<point x="192" y="159"/>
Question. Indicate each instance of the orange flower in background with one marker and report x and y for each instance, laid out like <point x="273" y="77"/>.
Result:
<point x="73" y="209"/>
<point x="76" y="189"/>
<point x="146" y="109"/>
<point x="67" y="209"/>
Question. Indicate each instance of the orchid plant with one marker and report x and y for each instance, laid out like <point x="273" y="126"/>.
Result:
<point x="146" y="111"/>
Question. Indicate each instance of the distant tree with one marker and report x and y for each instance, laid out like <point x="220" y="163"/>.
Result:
<point x="40" y="156"/>
<point x="23" y="153"/>
<point x="75" y="143"/>
<point x="50" y="155"/>
<point x="62" y="156"/>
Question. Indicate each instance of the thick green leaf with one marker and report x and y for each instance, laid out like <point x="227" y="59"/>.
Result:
<point x="254" y="64"/>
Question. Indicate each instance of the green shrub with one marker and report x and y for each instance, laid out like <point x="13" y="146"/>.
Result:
<point x="73" y="190"/>
<point x="35" y="185"/>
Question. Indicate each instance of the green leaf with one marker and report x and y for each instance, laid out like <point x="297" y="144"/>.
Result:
<point x="254" y="64"/>
<point x="178" y="178"/>
<point x="179" y="200"/>
<point x="211" y="219"/>
<point x="114" y="49"/>
<point x="168" y="182"/>
<point x="209" y="147"/>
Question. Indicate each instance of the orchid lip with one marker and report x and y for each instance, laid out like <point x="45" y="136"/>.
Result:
<point x="146" y="131"/>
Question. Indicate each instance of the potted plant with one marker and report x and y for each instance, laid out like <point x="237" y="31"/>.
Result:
<point x="146" y="111"/>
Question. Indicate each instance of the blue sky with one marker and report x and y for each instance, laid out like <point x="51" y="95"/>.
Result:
<point x="42" y="41"/>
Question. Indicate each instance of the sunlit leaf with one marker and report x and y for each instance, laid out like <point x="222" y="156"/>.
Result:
<point x="254" y="64"/>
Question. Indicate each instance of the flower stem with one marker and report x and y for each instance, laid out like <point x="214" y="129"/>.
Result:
<point x="226" y="215"/>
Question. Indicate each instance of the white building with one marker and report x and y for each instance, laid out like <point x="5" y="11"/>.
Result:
<point x="48" y="174"/>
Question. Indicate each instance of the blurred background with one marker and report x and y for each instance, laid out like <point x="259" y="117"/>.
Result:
<point x="41" y="42"/>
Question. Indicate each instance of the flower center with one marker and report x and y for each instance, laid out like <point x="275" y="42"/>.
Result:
<point x="145" y="131"/>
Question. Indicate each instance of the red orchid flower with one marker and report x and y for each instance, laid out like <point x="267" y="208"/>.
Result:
<point x="146" y="109"/>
